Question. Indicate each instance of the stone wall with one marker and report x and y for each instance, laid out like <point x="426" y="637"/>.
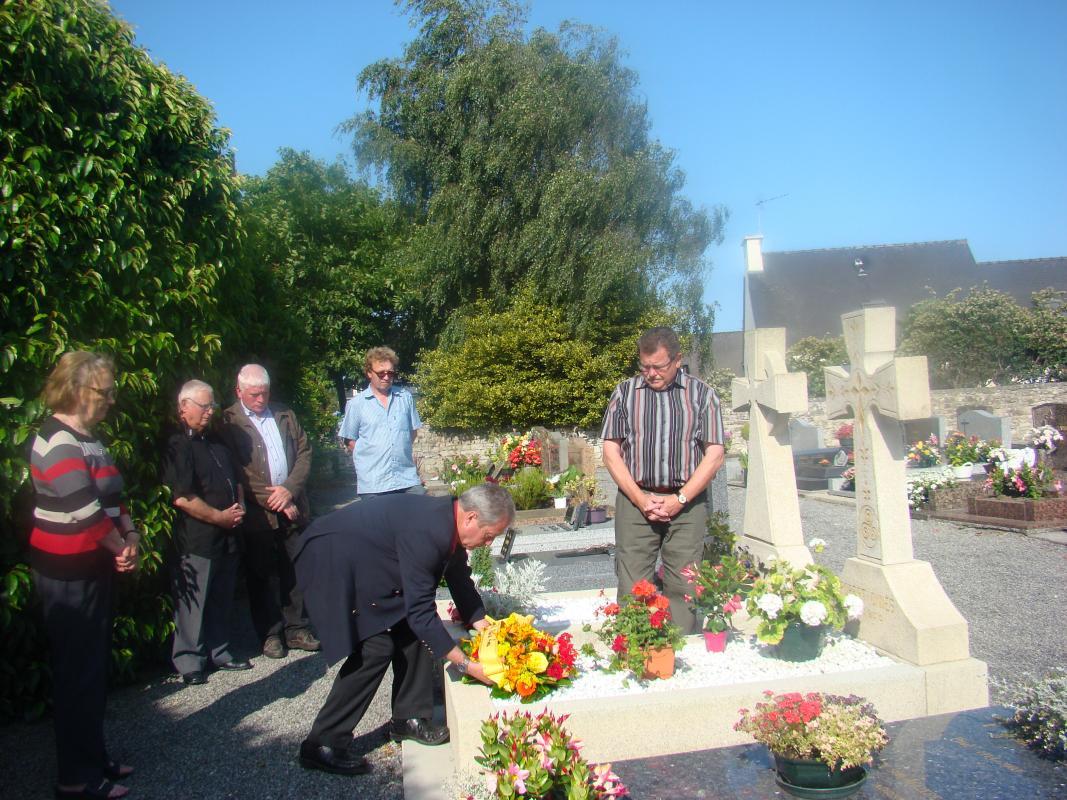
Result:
<point x="433" y="447"/>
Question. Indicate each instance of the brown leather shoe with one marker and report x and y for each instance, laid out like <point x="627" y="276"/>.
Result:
<point x="273" y="647"/>
<point x="303" y="639"/>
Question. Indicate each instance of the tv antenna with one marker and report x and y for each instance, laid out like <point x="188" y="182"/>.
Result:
<point x="759" y="209"/>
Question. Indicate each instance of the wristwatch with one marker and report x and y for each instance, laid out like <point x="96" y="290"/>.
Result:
<point x="463" y="665"/>
<point x="681" y="497"/>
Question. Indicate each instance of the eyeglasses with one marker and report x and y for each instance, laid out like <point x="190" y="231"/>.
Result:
<point x="108" y="393"/>
<point x="202" y="406"/>
<point x="385" y="373"/>
<point x="647" y="368"/>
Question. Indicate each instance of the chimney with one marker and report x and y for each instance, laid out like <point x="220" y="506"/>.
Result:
<point x="753" y="246"/>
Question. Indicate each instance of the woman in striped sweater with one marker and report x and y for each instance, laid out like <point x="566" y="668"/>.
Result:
<point x="82" y="535"/>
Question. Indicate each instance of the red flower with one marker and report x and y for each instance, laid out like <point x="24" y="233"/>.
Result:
<point x="619" y="644"/>
<point x="611" y="609"/>
<point x="643" y="588"/>
<point x="555" y="671"/>
<point x="658" y="618"/>
<point x="661" y="602"/>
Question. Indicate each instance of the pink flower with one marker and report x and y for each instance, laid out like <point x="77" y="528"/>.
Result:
<point x="518" y="777"/>
<point x="732" y="605"/>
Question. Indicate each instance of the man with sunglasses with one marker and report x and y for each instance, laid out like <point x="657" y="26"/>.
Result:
<point x="379" y="429"/>
<point x="663" y="443"/>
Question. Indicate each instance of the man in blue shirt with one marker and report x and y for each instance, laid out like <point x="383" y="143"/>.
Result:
<point x="379" y="428"/>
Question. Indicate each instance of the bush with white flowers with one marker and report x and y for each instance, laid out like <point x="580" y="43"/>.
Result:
<point x="812" y="595"/>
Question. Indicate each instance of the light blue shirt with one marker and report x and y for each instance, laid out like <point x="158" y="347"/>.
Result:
<point x="383" y="457"/>
<point x="272" y="439"/>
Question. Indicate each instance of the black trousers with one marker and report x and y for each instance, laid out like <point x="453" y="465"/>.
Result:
<point x="77" y="618"/>
<point x="275" y="612"/>
<point x="360" y="676"/>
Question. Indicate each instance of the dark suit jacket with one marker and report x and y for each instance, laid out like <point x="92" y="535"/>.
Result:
<point x="377" y="561"/>
<point x="250" y="453"/>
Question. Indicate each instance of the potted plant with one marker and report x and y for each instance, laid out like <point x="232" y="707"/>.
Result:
<point x="742" y="459"/>
<point x="523" y="755"/>
<point x="528" y="488"/>
<point x="639" y="631"/>
<point x="962" y="452"/>
<point x="1026" y="480"/>
<point x="520" y="659"/>
<point x="584" y="491"/>
<point x="1044" y="439"/>
<point x="560" y="485"/>
<point x="718" y="592"/>
<point x="844" y="435"/>
<point x="796" y="606"/>
<point x="820" y="742"/>
<point x="1040" y="717"/>
<point x="926" y="453"/>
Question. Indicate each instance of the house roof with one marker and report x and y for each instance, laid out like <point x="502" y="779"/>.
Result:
<point x="807" y="291"/>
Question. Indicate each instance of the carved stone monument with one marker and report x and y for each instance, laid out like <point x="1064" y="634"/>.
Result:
<point x="907" y="612"/>
<point x="771" y="394"/>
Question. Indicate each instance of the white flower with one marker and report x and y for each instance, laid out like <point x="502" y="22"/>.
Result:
<point x="817" y="544"/>
<point x="813" y="613"/>
<point x="854" y="606"/>
<point x="770" y="604"/>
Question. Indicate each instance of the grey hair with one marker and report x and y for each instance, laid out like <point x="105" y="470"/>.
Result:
<point x="252" y="376"/>
<point x="491" y="502"/>
<point x="189" y="388"/>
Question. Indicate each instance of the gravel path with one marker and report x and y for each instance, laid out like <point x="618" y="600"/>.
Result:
<point x="237" y="736"/>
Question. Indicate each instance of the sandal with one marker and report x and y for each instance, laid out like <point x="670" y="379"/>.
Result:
<point x="106" y="790"/>
<point x="114" y="771"/>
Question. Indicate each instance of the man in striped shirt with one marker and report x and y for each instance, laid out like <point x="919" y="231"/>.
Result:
<point x="663" y="443"/>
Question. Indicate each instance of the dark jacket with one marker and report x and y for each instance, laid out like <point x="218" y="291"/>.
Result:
<point x="379" y="560"/>
<point x="250" y="453"/>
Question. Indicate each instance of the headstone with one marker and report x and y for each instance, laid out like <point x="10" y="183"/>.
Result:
<point x="803" y="435"/>
<point x="1054" y="414"/>
<point x="507" y="544"/>
<point x="718" y="498"/>
<point x="986" y="426"/>
<point x="771" y="394"/>
<point x="919" y="430"/>
<point x="549" y="452"/>
<point x="907" y="612"/>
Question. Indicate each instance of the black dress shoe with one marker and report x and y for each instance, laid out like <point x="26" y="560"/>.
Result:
<point x="418" y="730"/>
<point x="233" y="665"/>
<point x="194" y="678"/>
<point x="331" y="759"/>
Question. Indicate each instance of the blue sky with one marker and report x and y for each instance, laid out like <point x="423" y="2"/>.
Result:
<point x="869" y="122"/>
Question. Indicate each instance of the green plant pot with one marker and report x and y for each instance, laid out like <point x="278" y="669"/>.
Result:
<point x="803" y="777"/>
<point x="801" y="642"/>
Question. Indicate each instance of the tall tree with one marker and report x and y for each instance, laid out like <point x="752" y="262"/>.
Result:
<point x="527" y="160"/>
<point x="320" y="244"/>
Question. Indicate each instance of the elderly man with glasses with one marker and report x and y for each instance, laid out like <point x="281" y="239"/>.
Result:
<point x="379" y="429"/>
<point x="663" y="443"/>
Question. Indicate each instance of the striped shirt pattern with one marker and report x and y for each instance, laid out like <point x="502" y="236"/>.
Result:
<point x="663" y="433"/>
<point x="78" y="491"/>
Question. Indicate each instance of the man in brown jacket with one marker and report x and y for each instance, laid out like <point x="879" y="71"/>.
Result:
<point x="273" y="453"/>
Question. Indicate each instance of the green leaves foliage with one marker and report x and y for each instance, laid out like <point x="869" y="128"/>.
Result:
<point x="811" y="354"/>
<point x="521" y="367"/>
<point x="987" y="337"/>
<point x="117" y="229"/>
<point x="526" y="161"/>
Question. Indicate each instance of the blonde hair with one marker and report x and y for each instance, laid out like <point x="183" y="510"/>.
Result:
<point x="75" y="369"/>
<point x="380" y="354"/>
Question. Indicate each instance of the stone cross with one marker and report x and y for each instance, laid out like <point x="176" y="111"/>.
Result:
<point x="907" y="612"/>
<point x="771" y="394"/>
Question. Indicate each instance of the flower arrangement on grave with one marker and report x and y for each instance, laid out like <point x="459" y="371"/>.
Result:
<point x="520" y="659"/>
<point x="560" y="484"/>
<point x="536" y="757"/>
<point x="742" y="456"/>
<point x="462" y="472"/>
<point x="520" y="450"/>
<point x="637" y="624"/>
<point x="841" y="732"/>
<point x="583" y="488"/>
<point x="528" y="488"/>
<point x="1044" y="438"/>
<point x="848" y="480"/>
<point x="1040" y="717"/>
<point x="925" y="453"/>
<point x="920" y="489"/>
<point x="961" y="449"/>
<point x="1026" y="480"/>
<point x="718" y="591"/>
<point x="812" y="595"/>
<point x="844" y="431"/>
<point x="986" y="448"/>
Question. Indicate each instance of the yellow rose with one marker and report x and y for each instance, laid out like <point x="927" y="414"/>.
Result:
<point x="537" y="662"/>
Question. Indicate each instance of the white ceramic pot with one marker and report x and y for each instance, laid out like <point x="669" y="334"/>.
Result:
<point x="963" y="471"/>
<point x="559" y="502"/>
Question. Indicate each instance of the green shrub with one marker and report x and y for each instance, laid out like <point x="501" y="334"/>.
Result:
<point x="528" y="488"/>
<point x="1040" y="717"/>
<point x="811" y="354"/>
<point x="481" y="561"/>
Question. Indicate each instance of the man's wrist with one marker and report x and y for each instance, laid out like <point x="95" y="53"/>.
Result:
<point x="463" y="666"/>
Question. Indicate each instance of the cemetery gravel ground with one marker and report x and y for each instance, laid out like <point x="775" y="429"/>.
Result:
<point x="237" y="736"/>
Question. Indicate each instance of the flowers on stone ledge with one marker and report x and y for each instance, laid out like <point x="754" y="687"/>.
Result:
<point x="520" y="659"/>
<point x="637" y="624"/>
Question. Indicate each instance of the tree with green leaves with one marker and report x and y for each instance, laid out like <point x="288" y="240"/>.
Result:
<point x="527" y="161"/>
<point x="986" y="336"/>
<point x="320" y="245"/>
<point x="811" y="354"/>
<point x="117" y="229"/>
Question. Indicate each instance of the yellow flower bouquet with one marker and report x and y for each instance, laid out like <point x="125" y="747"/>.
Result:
<point x="520" y="659"/>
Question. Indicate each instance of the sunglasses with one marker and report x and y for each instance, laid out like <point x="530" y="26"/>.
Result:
<point x="385" y="373"/>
